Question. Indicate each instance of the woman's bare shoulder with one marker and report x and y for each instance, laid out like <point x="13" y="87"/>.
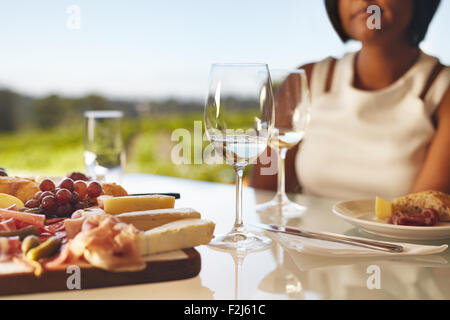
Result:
<point x="308" y="67"/>
<point x="443" y="111"/>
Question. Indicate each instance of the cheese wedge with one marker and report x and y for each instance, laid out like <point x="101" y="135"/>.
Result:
<point x="116" y="205"/>
<point x="383" y="208"/>
<point x="7" y="200"/>
<point x="181" y="234"/>
<point x="146" y="220"/>
<point x="100" y="200"/>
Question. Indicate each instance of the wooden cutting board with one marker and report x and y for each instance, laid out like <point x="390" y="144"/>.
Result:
<point x="175" y="265"/>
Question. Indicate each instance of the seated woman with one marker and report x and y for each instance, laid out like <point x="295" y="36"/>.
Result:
<point x="380" y="117"/>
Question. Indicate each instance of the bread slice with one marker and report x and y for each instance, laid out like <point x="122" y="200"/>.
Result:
<point x="22" y="188"/>
<point x="414" y="203"/>
<point x="113" y="189"/>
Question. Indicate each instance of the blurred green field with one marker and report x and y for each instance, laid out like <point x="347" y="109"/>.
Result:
<point x="59" y="150"/>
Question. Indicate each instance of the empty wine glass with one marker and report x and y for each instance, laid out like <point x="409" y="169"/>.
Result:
<point x="292" y="109"/>
<point x="238" y="121"/>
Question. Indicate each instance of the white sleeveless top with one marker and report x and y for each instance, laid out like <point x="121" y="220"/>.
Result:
<point x="365" y="143"/>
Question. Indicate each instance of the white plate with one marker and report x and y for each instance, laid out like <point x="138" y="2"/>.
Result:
<point x="361" y="213"/>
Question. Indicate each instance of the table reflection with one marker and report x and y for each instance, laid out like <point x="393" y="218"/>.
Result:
<point x="281" y="281"/>
<point x="305" y="276"/>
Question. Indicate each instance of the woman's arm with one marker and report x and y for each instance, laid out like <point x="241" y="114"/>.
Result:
<point x="269" y="182"/>
<point x="435" y="172"/>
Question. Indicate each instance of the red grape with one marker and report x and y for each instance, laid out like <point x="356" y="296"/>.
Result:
<point x="45" y="194"/>
<point x="33" y="203"/>
<point x="63" y="196"/>
<point x="37" y="195"/>
<point x="80" y="187"/>
<point x="94" y="189"/>
<point x="75" y="197"/>
<point x="49" y="204"/>
<point x="78" y="176"/>
<point x="67" y="183"/>
<point x="47" y="185"/>
<point x="64" y="210"/>
<point x="79" y="205"/>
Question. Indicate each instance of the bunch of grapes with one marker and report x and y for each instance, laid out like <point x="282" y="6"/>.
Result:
<point x="78" y="176"/>
<point x="63" y="200"/>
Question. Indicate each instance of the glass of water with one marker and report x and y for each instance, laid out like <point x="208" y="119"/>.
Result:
<point x="104" y="154"/>
<point x="239" y="116"/>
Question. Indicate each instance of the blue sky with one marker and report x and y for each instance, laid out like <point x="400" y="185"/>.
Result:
<point x="155" y="49"/>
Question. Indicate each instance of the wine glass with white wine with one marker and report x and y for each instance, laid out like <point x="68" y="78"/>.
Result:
<point x="239" y="117"/>
<point x="292" y="109"/>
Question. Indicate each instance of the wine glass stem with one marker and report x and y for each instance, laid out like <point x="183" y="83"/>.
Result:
<point x="239" y="174"/>
<point x="281" y="191"/>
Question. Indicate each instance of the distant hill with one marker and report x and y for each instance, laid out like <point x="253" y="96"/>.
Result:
<point x="22" y="111"/>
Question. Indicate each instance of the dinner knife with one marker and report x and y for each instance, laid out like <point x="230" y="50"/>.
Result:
<point x="175" y="195"/>
<point x="370" y="244"/>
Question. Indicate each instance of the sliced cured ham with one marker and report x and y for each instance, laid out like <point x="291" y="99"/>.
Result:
<point x="74" y="224"/>
<point x="104" y="242"/>
<point x="8" y="247"/>
<point x="37" y="220"/>
<point x="428" y="217"/>
<point x="9" y="244"/>
<point x="55" y="228"/>
<point x="8" y="225"/>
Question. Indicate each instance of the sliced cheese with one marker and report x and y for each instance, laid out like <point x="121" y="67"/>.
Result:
<point x="116" y="205"/>
<point x="181" y="234"/>
<point x="383" y="208"/>
<point x="146" y="220"/>
<point x="100" y="200"/>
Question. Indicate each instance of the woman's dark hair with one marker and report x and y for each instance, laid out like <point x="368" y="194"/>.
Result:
<point x="423" y="12"/>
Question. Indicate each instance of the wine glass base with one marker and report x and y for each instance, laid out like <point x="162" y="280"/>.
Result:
<point x="241" y="240"/>
<point x="277" y="209"/>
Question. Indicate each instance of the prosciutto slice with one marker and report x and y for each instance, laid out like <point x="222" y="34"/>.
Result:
<point x="74" y="224"/>
<point x="37" y="220"/>
<point x="8" y="247"/>
<point x="104" y="242"/>
<point x="7" y="225"/>
<point x="428" y="217"/>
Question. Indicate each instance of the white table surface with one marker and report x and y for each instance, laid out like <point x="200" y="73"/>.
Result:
<point x="274" y="273"/>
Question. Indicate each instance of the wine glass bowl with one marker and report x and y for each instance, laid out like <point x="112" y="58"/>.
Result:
<point x="292" y="107"/>
<point x="239" y="119"/>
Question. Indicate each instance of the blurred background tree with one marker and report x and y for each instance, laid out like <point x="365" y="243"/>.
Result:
<point x="48" y="111"/>
<point x="8" y="101"/>
<point x="48" y="138"/>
